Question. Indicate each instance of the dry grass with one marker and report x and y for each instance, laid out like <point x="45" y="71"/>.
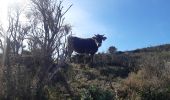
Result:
<point x="151" y="81"/>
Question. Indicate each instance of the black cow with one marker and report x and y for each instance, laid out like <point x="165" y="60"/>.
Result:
<point x="85" y="46"/>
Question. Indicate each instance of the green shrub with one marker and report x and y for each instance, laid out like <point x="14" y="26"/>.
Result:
<point x="95" y="93"/>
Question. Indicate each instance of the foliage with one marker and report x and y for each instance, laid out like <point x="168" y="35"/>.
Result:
<point x="25" y="76"/>
<point x="112" y="50"/>
<point x="151" y="82"/>
<point x="16" y="32"/>
<point x="48" y="30"/>
<point x="95" y="93"/>
<point x="42" y="73"/>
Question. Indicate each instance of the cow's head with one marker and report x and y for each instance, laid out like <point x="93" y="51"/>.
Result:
<point x="99" y="38"/>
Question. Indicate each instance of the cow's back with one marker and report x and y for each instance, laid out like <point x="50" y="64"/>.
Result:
<point x="80" y="45"/>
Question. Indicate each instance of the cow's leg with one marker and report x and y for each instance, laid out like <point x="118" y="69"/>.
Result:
<point x="70" y="53"/>
<point x="86" y="58"/>
<point x="92" y="57"/>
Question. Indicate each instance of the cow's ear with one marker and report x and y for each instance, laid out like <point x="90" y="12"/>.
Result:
<point x="104" y="38"/>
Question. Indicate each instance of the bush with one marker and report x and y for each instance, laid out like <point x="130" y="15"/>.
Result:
<point x="95" y="93"/>
<point x="151" y="82"/>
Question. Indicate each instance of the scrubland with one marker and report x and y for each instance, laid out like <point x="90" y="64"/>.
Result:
<point x="142" y="74"/>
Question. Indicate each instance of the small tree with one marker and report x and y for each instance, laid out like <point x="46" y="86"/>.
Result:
<point x="112" y="49"/>
<point x="49" y="31"/>
<point x="48" y="37"/>
<point x="16" y="32"/>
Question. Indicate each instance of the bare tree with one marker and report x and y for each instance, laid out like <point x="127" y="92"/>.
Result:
<point x="48" y="37"/>
<point x="49" y="31"/>
<point x="16" y="32"/>
<point x="1" y="38"/>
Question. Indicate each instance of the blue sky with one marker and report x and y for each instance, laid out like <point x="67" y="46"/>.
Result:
<point x="128" y="24"/>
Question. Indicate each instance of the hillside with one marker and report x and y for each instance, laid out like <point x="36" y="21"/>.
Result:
<point x="142" y="74"/>
<point x="130" y="75"/>
<point x="138" y="74"/>
<point x="159" y="48"/>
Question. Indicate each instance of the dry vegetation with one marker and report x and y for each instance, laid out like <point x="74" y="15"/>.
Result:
<point x="126" y="75"/>
<point x="41" y="72"/>
<point x="131" y="75"/>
